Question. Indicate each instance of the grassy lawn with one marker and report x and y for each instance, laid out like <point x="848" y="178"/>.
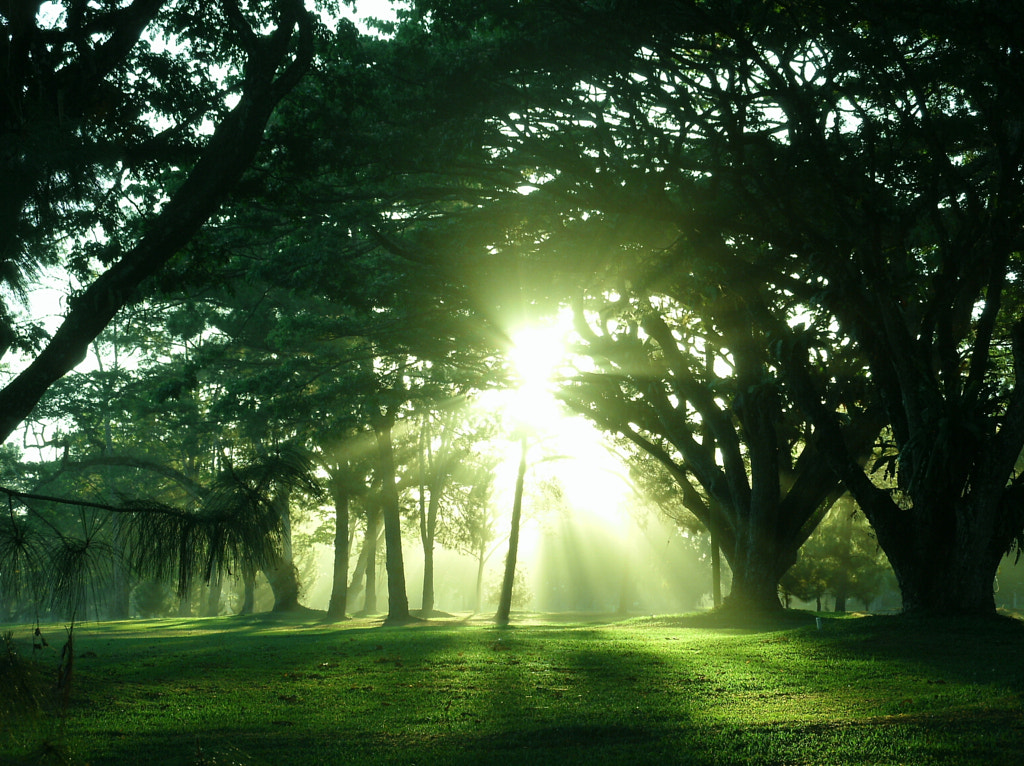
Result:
<point x="263" y="691"/>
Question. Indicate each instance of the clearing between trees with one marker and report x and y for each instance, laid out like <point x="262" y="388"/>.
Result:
<point x="278" y="690"/>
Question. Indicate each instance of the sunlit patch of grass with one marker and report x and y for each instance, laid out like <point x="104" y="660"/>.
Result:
<point x="274" y="691"/>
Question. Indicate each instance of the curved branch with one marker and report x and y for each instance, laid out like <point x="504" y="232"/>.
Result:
<point x="196" y="490"/>
<point x="226" y="157"/>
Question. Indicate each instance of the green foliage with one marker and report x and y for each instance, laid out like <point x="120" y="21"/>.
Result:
<point x="238" y="526"/>
<point x="112" y="166"/>
<point x="522" y="596"/>
<point x="841" y="559"/>
<point x="61" y="553"/>
<point x="152" y="598"/>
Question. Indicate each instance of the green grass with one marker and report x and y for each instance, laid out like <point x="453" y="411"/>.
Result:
<point x="260" y="691"/>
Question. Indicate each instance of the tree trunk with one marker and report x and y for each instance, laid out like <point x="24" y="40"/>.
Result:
<point x="211" y="606"/>
<point x="249" y="593"/>
<point x="758" y="561"/>
<point x="368" y="560"/>
<point x="339" y="589"/>
<point x="505" y="603"/>
<point x="284" y="577"/>
<point x="358" y="579"/>
<point x="398" y="601"/>
<point x="944" y="554"/>
<point x="427" y="607"/>
<point x="284" y="582"/>
<point x="946" y="583"/>
<point x="754" y="590"/>
<point x="479" y="595"/>
<point x="428" y="531"/>
<point x="716" y="569"/>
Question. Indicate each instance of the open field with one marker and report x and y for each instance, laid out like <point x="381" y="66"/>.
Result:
<point x="260" y="690"/>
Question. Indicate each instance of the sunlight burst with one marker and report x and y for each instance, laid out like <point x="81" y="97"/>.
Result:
<point x="565" y="448"/>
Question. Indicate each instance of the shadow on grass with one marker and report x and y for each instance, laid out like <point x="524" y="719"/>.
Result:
<point x="694" y="689"/>
<point x="974" y="650"/>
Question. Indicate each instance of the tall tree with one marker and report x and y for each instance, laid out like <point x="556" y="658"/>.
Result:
<point x="701" y="396"/>
<point x="863" y="159"/>
<point x="908" y="231"/>
<point x="501" y="617"/>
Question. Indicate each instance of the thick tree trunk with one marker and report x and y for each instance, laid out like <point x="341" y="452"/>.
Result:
<point x="505" y="603"/>
<point x="211" y="605"/>
<point x="754" y="590"/>
<point x="948" y="579"/>
<point x="339" y="589"/>
<point x="945" y="555"/>
<point x="758" y="561"/>
<point x="398" y="601"/>
<point x="283" y="576"/>
<point x="284" y="582"/>
<point x="249" y="593"/>
<point x="952" y="590"/>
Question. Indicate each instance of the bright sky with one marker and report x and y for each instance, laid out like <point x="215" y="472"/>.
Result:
<point x="564" y="446"/>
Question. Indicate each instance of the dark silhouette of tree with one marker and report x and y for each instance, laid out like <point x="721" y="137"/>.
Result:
<point x="82" y="98"/>
<point x="861" y="160"/>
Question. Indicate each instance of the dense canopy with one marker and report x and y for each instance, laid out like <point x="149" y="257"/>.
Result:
<point x="788" y="236"/>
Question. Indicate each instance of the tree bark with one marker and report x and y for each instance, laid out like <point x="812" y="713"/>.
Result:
<point x="339" y="589"/>
<point x="428" y="534"/>
<point x="368" y="560"/>
<point x="427" y="607"/>
<point x="284" y="582"/>
<point x="505" y="602"/>
<point x="755" y="583"/>
<point x="398" y="600"/>
<point x="284" y="577"/>
<point x="950" y="567"/>
<point x="248" y="593"/>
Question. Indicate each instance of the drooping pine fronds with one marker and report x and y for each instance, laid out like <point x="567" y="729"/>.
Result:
<point x="233" y="529"/>
<point x="238" y="526"/>
<point x="21" y="555"/>
<point x="77" y="568"/>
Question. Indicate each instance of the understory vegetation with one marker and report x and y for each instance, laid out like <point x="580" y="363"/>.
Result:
<point x="273" y="689"/>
